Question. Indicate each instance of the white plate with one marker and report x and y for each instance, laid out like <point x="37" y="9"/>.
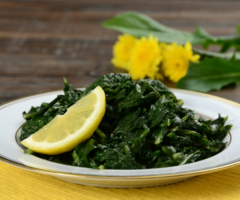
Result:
<point x="206" y="105"/>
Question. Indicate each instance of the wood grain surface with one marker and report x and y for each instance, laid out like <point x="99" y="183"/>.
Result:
<point x="43" y="41"/>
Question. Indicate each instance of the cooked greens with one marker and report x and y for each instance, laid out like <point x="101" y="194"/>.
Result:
<point x="145" y="126"/>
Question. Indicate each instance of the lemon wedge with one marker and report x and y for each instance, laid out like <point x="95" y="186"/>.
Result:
<point x="66" y="131"/>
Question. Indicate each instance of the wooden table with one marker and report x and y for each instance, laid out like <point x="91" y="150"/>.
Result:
<point x="43" y="41"/>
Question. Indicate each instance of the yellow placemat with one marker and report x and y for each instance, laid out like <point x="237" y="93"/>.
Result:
<point x="16" y="183"/>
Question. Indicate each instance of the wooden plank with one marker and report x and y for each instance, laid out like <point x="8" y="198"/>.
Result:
<point x="43" y="41"/>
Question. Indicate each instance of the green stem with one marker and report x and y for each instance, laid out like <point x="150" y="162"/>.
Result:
<point x="100" y="133"/>
<point x="49" y="106"/>
<point x="160" y="136"/>
<point x="186" y="160"/>
<point x="144" y="133"/>
<point x="28" y="115"/>
<point x="29" y="151"/>
<point x="101" y="167"/>
<point x="180" y="102"/>
<point x="126" y="149"/>
<point x="184" y="118"/>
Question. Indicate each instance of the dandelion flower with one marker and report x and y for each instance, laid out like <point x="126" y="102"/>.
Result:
<point x="176" y="60"/>
<point x="145" y="58"/>
<point x="122" y="51"/>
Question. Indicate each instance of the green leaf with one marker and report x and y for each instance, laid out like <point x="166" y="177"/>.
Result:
<point x="211" y="74"/>
<point x="139" y="25"/>
<point x="227" y="55"/>
<point x="228" y="43"/>
<point x="225" y="41"/>
<point x="209" y="39"/>
<point x="203" y="34"/>
<point x="238" y="30"/>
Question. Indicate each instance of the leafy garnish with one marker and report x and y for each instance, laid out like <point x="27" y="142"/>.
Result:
<point x="208" y="74"/>
<point x="138" y="25"/>
<point x="211" y="74"/>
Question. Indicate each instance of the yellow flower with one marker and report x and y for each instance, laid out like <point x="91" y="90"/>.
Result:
<point x="145" y="58"/>
<point x="122" y="51"/>
<point x="176" y="60"/>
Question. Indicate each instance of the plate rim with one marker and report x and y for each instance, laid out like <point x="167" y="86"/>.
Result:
<point x="66" y="174"/>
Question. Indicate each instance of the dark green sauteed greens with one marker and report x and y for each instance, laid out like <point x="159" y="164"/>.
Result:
<point x="145" y="126"/>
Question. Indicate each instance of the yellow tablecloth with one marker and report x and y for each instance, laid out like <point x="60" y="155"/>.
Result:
<point x="20" y="184"/>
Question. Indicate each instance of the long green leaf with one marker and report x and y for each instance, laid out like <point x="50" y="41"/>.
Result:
<point x="139" y="25"/>
<point x="211" y="74"/>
